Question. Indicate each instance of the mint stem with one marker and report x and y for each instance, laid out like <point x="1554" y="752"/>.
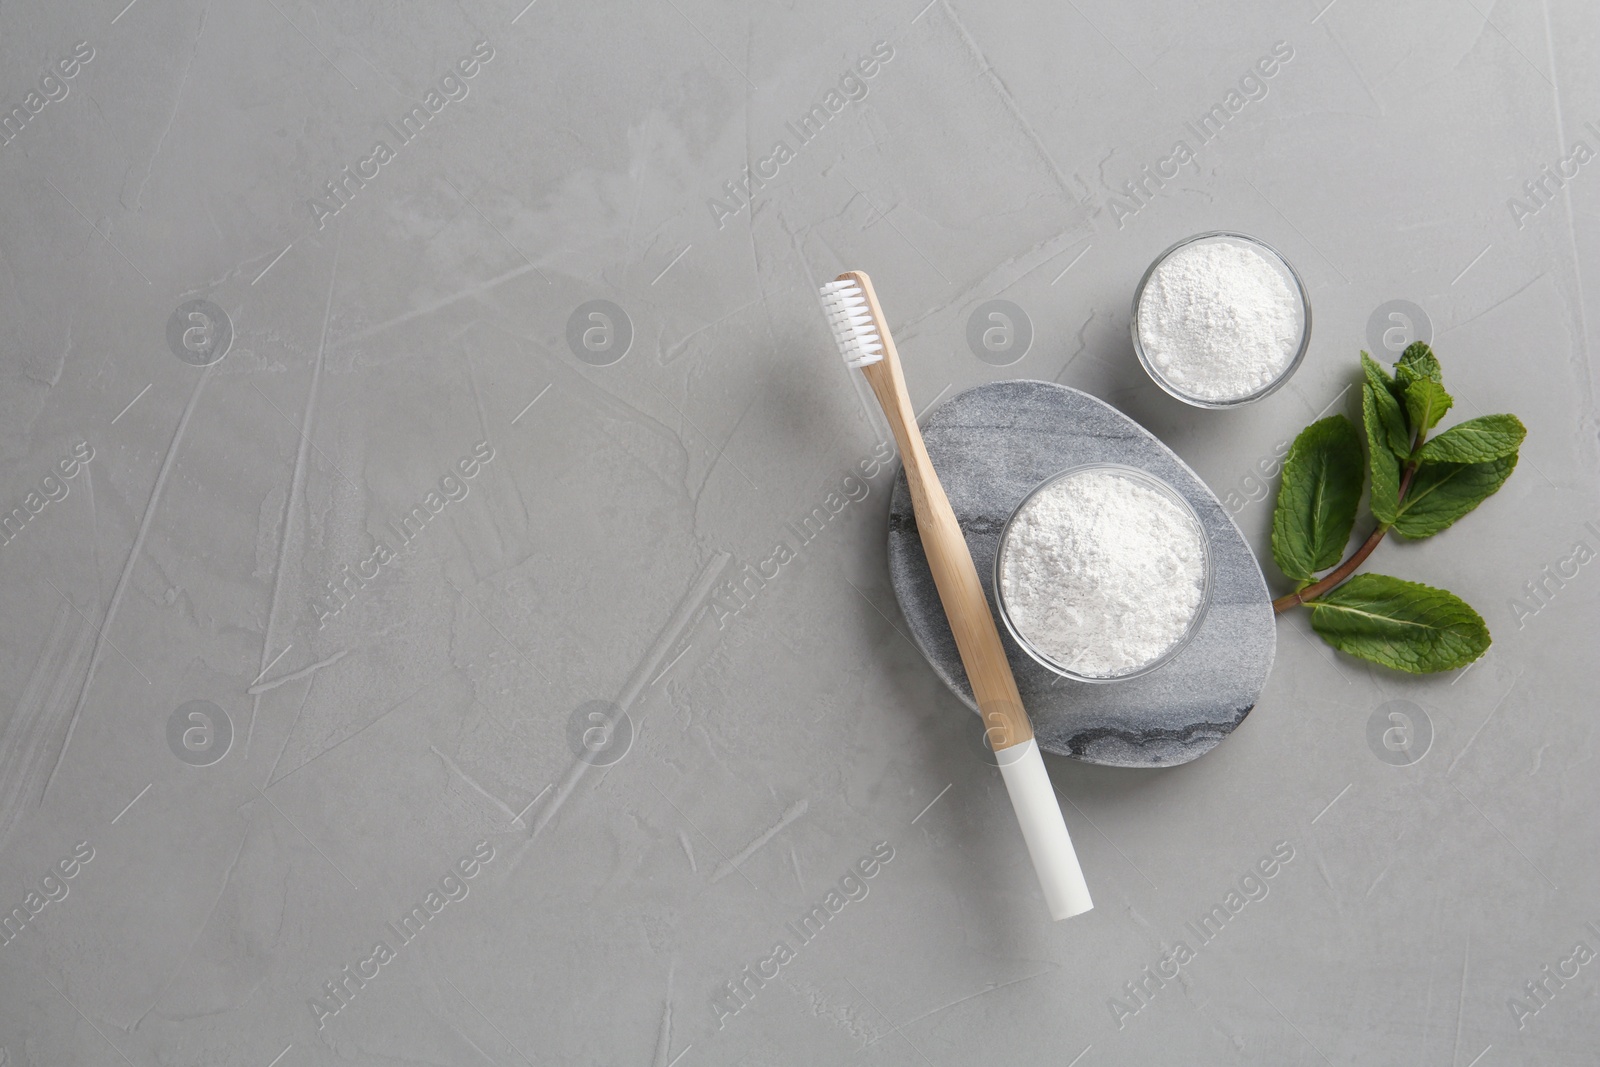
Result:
<point x="1357" y="558"/>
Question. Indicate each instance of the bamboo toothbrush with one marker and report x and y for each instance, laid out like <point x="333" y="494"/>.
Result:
<point x="863" y="337"/>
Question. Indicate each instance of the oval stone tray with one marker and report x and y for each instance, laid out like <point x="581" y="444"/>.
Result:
<point x="994" y="443"/>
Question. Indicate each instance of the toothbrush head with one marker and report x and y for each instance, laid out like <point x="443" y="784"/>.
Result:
<point x="850" y="316"/>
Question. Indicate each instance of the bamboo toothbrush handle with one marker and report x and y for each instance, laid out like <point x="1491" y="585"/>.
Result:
<point x="960" y="591"/>
<point x="1005" y="720"/>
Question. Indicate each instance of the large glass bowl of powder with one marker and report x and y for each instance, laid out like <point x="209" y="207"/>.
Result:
<point x="1221" y="319"/>
<point x="1102" y="573"/>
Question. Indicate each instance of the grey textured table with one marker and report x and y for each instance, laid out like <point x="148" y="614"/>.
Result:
<point x="394" y="393"/>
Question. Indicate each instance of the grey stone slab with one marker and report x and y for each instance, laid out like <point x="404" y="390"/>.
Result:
<point x="992" y="445"/>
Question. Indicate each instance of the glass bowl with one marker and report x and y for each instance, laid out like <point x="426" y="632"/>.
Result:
<point x="1139" y="477"/>
<point x="1271" y="387"/>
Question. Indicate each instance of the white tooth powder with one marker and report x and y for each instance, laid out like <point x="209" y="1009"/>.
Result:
<point x="1220" y="319"/>
<point x="1102" y="574"/>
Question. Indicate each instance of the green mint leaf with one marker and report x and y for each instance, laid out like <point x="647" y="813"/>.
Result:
<point x="1382" y="462"/>
<point x="1417" y="363"/>
<point x="1404" y="625"/>
<point x="1391" y="414"/>
<point x="1317" y="499"/>
<point x="1393" y="418"/>
<point x="1476" y="440"/>
<point x="1375" y="372"/>
<point x="1441" y="493"/>
<point x="1426" y="402"/>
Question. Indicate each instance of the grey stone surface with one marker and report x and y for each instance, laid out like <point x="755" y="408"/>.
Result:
<point x="681" y="515"/>
<point x="991" y="446"/>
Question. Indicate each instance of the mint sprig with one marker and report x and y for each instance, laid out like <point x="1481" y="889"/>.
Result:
<point x="1419" y="486"/>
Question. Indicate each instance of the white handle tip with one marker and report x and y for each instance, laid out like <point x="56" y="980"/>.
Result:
<point x="1065" y="892"/>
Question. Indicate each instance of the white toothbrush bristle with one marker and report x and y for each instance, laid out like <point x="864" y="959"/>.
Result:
<point x="850" y="319"/>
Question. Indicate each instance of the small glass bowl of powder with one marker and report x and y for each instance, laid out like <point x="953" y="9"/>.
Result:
<point x="1102" y="573"/>
<point x="1221" y="319"/>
